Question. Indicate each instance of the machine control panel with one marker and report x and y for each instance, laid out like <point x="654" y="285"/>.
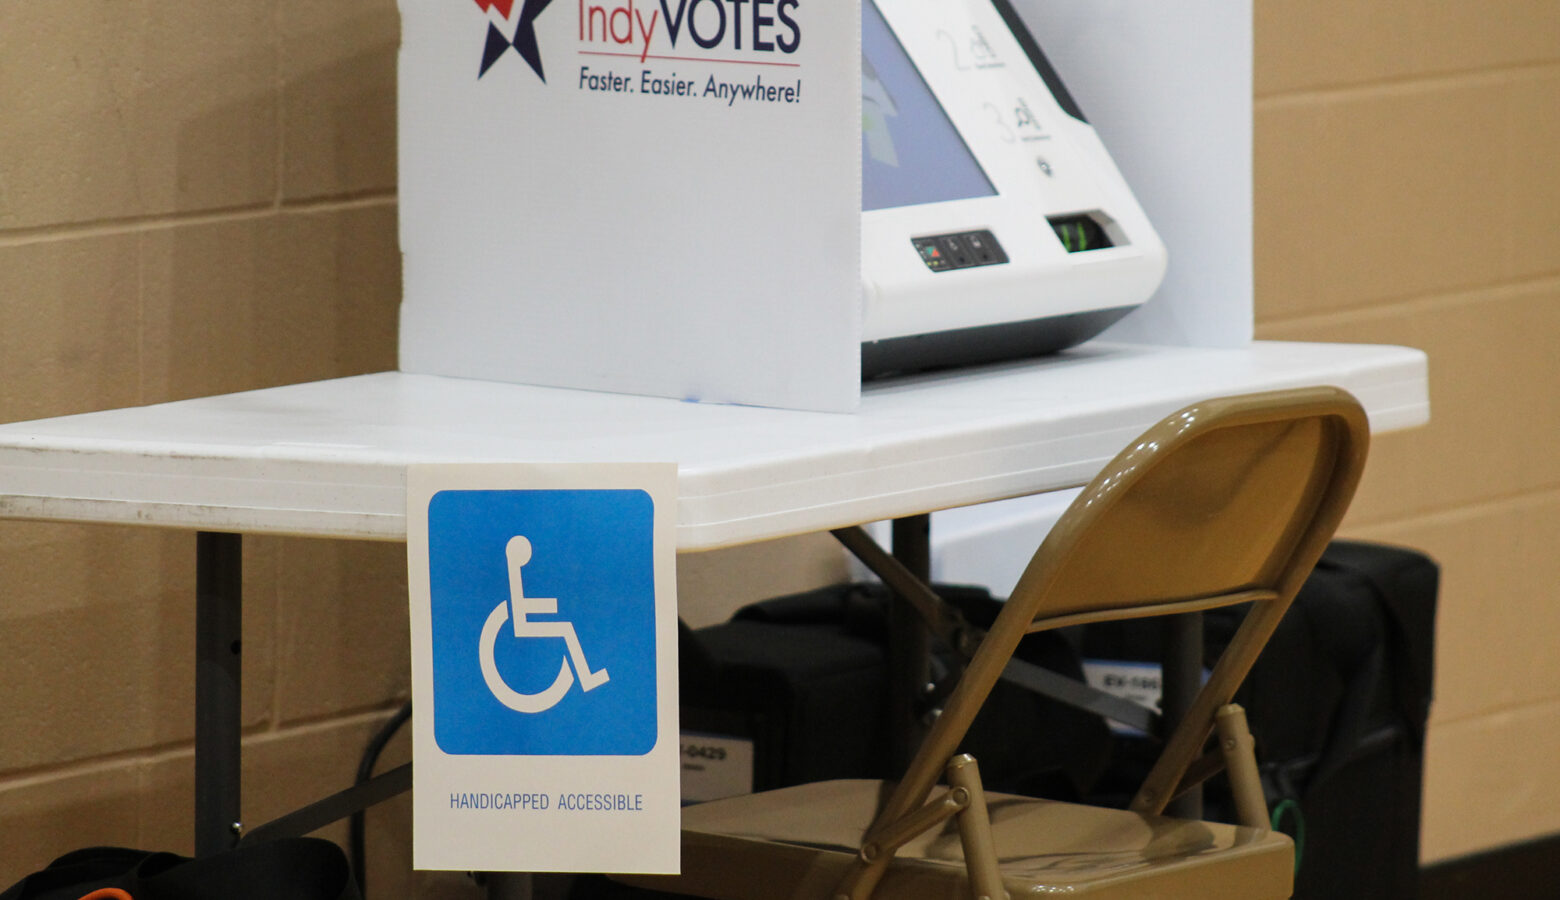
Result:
<point x="964" y="250"/>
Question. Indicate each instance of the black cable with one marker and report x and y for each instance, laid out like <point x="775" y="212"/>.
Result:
<point x="365" y="771"/>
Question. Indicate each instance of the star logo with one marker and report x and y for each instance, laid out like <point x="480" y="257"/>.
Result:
<point x="524" y="41"/>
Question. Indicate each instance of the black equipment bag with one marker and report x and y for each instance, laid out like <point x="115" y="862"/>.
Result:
<point x="1337" y="703"/>
<point x="1347" y="688"/>
<point x="283" y="869"/>
<point x="805" y="678"/>
<point x="801" y="677"/>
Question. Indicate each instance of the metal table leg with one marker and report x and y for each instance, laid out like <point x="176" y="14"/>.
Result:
<point x="1180" y="680"/>
<point x="909" y="647"/>
<point x="218" y="635"/>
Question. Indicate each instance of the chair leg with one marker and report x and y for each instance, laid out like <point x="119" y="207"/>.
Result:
<point x="1240" y="762"/>
<point x="881" y="843"/>
<point x="980" y="849"/>
<point x="965" y="801"/>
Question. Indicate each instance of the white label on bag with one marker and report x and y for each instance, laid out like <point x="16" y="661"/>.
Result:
<point x="715" y="766"/>
<point x="1139" y="682"/>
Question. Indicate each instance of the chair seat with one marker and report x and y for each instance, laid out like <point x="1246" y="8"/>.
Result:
<point x="809" y="835"/>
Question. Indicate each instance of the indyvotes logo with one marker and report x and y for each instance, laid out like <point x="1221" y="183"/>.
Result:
<point x="543" y="606"/>
<point x="722" y="33"/>
<point x="522" y="39"/>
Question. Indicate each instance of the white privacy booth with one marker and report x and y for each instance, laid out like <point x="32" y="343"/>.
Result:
<point x="675" y="200"/>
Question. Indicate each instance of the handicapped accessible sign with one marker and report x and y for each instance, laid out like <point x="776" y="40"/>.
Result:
<point x="526" y="587"/>
<point x="543" y="620"/>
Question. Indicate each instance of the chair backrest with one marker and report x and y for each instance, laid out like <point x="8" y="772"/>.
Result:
<point x="1226" y="501"/>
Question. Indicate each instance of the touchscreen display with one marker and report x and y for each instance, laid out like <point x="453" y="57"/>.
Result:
<point x="910" y="152"/>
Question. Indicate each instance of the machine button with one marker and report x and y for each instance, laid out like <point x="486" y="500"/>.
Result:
<point x="956" y="249"/>
<point x="932" y="254"/>
<point x="984" y="248"/>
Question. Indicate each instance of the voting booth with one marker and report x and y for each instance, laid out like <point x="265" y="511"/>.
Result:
<point x="766" y="201"/>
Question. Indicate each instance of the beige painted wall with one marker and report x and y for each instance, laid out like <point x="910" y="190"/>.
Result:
<point x="199" y="197"/>
<point x="1407" y="193"/>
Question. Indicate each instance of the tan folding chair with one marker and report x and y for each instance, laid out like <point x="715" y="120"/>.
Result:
<point x="1228" y="501"/>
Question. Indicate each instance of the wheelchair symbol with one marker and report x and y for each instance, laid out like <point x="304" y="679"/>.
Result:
<point x="517" y="608"/>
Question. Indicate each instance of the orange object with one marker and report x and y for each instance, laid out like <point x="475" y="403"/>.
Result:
<point x="108" y="894"/>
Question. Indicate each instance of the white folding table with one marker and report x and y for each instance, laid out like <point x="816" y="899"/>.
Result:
<point x="328" y="459"/>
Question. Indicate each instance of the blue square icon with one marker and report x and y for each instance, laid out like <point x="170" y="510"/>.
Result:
<point x="543" y="607"/>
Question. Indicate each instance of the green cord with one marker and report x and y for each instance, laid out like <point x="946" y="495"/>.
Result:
<point x="1299" y="835"/>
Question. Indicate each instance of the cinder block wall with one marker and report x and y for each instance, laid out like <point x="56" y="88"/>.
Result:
<point x="195" y="198"/>
<point x="1406" y="193"/>
<point x="199" y="198"/>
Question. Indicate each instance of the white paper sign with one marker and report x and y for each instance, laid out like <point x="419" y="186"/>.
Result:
<point x="544" y="667"/>
<point x="646" y="196"/>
